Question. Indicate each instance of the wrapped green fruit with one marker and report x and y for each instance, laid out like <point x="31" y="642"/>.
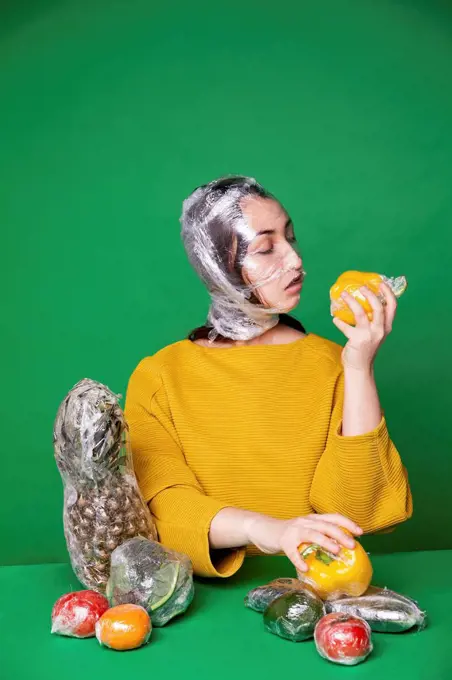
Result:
<point x="146" y="573"/>
<point x="259" y="598"/>
<point x="384" y="610"/>
<point x="294" y="615"/>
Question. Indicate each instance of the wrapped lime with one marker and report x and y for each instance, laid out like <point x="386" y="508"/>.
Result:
<point x="146" y="573"/>
<point x="293" y="616"/>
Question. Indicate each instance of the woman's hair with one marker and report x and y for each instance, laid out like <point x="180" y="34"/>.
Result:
<point x="216" y="243"/>
<point x="217" y="207"/>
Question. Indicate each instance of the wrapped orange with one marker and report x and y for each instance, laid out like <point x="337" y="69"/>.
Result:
<point x="126" y="626"/>
<point x="351" y="282"/>
<point x="331" y="576"/>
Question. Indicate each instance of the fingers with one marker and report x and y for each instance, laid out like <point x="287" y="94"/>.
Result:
<point x="389" y="296"/>
<point x="390" y="307"/>
<point x="301" y="533"/>
<point x="339" y="520"/>
<point x="320" y="537"/>
<point x="343" y="327"/>
<point x="378" y="314"/>
<point x="295" y="557"/>
<point x="326" y="531"/>
<point x="335" y="532"/>
<point x="359" y="313"/>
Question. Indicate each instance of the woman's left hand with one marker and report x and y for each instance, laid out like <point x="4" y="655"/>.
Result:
<point x="365" y="339"/>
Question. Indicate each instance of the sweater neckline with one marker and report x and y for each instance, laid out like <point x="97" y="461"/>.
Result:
<point x="269" y="347"/>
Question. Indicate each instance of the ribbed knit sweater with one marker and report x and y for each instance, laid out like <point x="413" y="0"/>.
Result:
<point x="256" y="427"/>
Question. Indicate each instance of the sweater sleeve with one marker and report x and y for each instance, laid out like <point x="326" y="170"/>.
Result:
<point x="361" y="477"/>
<point x="182" y="511"/>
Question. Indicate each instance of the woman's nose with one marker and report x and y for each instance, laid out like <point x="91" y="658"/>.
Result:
<point x="293" y="259"/>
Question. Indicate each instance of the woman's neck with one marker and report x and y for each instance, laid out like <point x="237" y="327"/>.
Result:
<point x="279" y="335"/>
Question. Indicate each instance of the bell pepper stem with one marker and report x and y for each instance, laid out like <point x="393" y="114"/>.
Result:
<point x="320" y="553"/>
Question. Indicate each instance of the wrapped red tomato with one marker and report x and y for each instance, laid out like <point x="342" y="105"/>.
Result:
<point x="343" y="639"/>
<point x="76" y="614"/>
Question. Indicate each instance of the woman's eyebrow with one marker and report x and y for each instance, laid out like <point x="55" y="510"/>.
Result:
<point x="270" y="232"/>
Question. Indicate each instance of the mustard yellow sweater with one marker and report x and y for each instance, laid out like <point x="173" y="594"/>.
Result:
<point x="254" y="427"/>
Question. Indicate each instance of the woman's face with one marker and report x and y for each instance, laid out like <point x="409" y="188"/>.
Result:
<point x="272" y="266"/>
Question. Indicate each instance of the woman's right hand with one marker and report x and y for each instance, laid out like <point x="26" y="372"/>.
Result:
<point x="272" y="536"/>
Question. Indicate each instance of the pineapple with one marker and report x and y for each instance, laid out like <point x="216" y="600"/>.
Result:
<point x="102" y="503"/>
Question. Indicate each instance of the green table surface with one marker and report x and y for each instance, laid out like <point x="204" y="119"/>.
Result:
<point x="218" y="637"/>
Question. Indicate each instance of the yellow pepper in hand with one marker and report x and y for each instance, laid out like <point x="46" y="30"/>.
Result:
<point x="351" y="282"/>
<point x="347" y="573"/>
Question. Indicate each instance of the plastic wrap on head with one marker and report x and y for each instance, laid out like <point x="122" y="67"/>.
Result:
<point x="148" y="574"/>
<point x="102" y="503"/>
<point x="217" y="236"/>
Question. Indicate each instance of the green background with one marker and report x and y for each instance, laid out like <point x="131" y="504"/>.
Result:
<point x="112" y="112"/>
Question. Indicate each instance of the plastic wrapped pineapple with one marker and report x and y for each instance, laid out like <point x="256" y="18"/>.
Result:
<point x="103" y="506"/>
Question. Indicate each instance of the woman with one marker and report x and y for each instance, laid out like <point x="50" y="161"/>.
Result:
<point x="252" y="435"/>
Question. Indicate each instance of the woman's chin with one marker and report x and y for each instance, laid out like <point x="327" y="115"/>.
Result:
<point x="285" y="303"/>
<point x="288" y="305"/>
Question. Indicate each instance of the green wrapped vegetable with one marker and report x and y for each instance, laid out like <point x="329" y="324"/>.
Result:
<point x="146" y="573"/>
<point x="384" y="610"/>
<point x="259" y="598"/>
<point x="294" y="615"/>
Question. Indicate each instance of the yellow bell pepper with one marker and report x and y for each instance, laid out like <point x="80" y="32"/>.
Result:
<point x="347" y="573"/>
<point x="351" y="282"/>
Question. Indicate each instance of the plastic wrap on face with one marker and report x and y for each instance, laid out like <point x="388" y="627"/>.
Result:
<point x="218" y="238"/>
<point x="384" y="610"/>
<point x="351" y="283"/>
<point x="146" y="573"/>
<point x="102" y="503"/>
<point x="259" y="598"/>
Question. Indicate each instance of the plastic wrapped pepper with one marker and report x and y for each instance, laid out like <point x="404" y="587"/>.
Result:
<point x="351" y="282"/>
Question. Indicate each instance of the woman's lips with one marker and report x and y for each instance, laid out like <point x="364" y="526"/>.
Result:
<point x="295" y="285"/>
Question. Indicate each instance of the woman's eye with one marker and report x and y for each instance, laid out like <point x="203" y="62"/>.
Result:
<point x="265" y="252"/>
